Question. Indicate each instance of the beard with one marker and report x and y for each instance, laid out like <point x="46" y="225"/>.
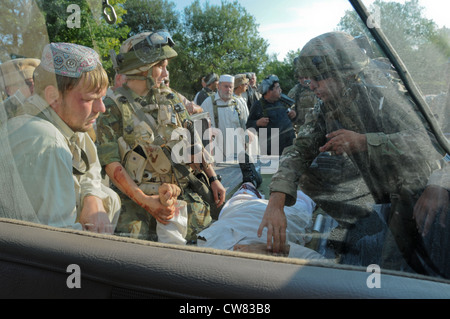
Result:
<point x="225" y="96"/>
<point x="76" y="124"/>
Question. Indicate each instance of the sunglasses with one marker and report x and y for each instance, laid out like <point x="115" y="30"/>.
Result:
<point x="157" y="38"/>
<point x="146" y="49"/>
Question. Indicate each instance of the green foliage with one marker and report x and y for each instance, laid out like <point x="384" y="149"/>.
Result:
<point x="21" y="24"/>
<point x="148" y="15"/>
<point x="422" y="47"/>
<point x="93" y="30"/>
<point x="223" y="39"/>
<point x="220" y="38"/>
<point x="284" y="70"/>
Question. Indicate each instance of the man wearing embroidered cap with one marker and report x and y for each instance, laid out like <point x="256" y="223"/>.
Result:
<point x="136" y="135"/>
<point x="16" y="82"/>
<point x="366" y="116"/>
<point x="55" y="157"/>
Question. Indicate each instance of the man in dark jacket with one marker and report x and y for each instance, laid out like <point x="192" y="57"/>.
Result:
<point x="272" y="118"/>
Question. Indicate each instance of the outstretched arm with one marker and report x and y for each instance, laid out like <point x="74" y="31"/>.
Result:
<point x="275" y="220"/>
<point x="151" y="203"/>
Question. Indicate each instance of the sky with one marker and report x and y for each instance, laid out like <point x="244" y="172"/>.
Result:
<point x="288" y="24"/>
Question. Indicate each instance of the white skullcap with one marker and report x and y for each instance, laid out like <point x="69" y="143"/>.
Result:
<point x="226" y="78"/>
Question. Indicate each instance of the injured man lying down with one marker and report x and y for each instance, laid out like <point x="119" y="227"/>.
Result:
<point x="239" y="219"/>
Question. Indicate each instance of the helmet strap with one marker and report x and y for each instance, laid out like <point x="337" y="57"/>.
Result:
<point x="136" y="77"/>
<point x="150" y="81"/>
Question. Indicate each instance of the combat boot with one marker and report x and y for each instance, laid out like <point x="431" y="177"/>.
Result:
<point x="250" y="174"/>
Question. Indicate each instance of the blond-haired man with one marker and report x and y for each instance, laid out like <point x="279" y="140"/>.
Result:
<point x="56" y="159"/>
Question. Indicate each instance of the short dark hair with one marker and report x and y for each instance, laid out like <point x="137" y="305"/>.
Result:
<point x="272" y="86"/>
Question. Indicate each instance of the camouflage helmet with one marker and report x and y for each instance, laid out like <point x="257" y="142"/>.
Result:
<point x="333" y="52"/>
<point x="142" y="51"/>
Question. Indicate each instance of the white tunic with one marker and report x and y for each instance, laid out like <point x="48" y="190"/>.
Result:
<point x="241" y="216"/>
<point x="44" y="154"/>
<point x="232" y="117"/>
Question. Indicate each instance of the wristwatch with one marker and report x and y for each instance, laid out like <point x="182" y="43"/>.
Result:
<point x="215" y="178"/>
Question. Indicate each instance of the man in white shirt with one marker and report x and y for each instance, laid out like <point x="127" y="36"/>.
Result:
<point x="238" y="222"/>
<point x="229" y="114"/>
<point x="55" y="157"/>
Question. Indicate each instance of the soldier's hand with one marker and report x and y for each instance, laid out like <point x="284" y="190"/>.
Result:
<point x="162" y="214"/>
<point x="219" y="192"/>
<point x="433" y="200"/>
<point x="168" y="194"/>
<point x="345" y="141"/>
<point x="275" y="221"/>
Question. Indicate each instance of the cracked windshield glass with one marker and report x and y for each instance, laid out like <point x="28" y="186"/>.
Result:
<point x="305" y="130"/>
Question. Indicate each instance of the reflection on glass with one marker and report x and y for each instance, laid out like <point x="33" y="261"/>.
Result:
<point x="365" y="182"/>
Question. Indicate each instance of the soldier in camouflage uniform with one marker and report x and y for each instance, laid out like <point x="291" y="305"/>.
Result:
<point x="364" y="115"/>
<point x="16" y="83"/>
<point x="304" y="98"/>
<point x="136" y="135"/>
<point x="440" y="103"/>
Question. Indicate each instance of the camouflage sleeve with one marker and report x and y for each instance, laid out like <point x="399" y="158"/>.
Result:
<point x="297" y="158"/>
<point x="292" y="92"/>
<point x="441" y="177"/>
<point x="405" y="144"/>
<point x="109" y="130"/>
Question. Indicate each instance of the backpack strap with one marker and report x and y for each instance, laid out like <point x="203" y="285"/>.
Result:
<point x="216" y="106"/>
<point x="137" y="110"/>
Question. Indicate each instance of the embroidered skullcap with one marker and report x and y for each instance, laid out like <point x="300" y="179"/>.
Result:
<point x="226" y="78"/>
<point x="68" y="59"/>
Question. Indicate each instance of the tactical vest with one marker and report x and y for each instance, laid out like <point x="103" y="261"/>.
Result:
<point x="147" y="132"/>
<point x="209" y="92"/>
<point x="216" y="112"/>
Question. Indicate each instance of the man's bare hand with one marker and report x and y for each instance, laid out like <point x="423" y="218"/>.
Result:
<point x="219" y="193"/>
<point x="262" y="122"/>
<point x="153" y="205"/>
<point x="168" y="194"/>
<point x="274" y="220"/>
<point x="433" y="200"/>
<point x="93" y="216"/>
<point x="292" y="114"/>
